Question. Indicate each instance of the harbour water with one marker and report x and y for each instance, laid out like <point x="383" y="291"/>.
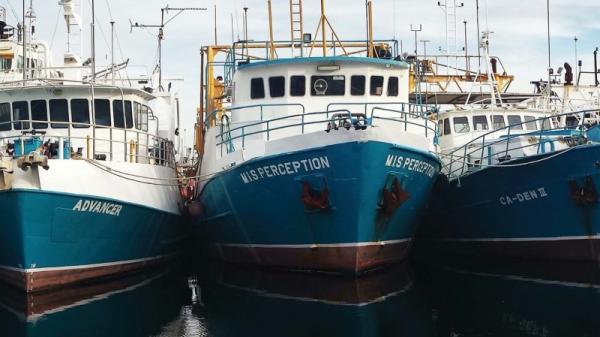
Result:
<point x="411" y="299"/>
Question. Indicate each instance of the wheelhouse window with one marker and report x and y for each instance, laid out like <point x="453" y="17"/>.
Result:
<point x="376" y="85"/>
<point x="328" y="85"/>
<point x="118" y="113"/>
<point x="128" y="115"/>
<point x="257" y="88"/>
<point x="357" y="85"/>
<point x="393" y="88"/>
<point x="546" y="124"/>
<point x="530" y="123"/>
<point x="59" y="112"/>
<point x="515" y="122"/>
<point x="137" y="110"/>
<point x="498" y="122"/>
<point x="480" y="123"/>
<point x="39" y="112"/>
<point x="80" y="113"/>
<point x="297" y="86"/>
<point x="21" y="115"/>
<point x="102" y="111"/>
<point x="447" y="130"/>
<point x="5" y="117"/>
<point x="144" y="123"/>
<point x="277" y="86"/>
<point x="461" y="125"/>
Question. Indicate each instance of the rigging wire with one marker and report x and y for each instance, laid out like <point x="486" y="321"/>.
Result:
<point x="55" y="27"/>
<point x="133" y="177"/>
<point x="12" y="10"/>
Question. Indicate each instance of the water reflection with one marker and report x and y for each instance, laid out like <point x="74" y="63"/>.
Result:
<point x="450" y="299"/>
<point x="140" y="305"/>
<point x="243" y="302"/>
<point x="515" y="299"/>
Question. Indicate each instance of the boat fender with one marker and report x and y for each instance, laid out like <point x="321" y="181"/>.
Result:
<point x="196" y="209"/>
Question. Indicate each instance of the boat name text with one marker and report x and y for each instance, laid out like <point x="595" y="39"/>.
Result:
<point x="410" y="164"/>
<point x="287" y="168"/>
<point x="526" y="196"/>
<point x="98" y="207"/>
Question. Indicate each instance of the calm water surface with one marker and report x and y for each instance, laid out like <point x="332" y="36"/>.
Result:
<point x="448" y="299"/>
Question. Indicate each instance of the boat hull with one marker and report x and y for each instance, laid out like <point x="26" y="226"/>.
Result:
<point x="547" y="209"/>
<point x="260" y="212"/>
<point x="52" y="239"/>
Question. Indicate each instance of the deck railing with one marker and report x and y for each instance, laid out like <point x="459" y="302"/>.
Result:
<point x="329" y="119"/>
<point x="98" y="143"/>
<point x="512" y="142"/>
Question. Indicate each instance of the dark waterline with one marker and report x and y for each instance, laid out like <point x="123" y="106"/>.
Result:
<point x="418" y="299"/>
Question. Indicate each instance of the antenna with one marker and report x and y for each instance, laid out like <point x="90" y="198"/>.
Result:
<point x="449" y="7"/>
<point x="161" y="27"/>
<point x="417" y="72"/>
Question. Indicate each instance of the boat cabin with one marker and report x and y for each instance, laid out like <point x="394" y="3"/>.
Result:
<point x="458" y="127"/>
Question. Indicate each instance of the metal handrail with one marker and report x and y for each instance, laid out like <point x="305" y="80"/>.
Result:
<point x="225" y="137"/>
<point x="164" y="156"/>
<point x="214" y="113"/>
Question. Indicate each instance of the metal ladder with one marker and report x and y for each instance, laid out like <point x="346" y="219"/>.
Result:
<point x="296" y="28"/>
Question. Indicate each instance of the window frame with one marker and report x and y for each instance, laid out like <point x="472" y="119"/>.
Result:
<point x="58" y="123"/>
<point x="454" y="124"/>
<point x="39" y="125"/>
<point x="396" y="86"/>
<point x="516" y="126"/>
<point x="363" y="89"/>
<point x="340" y="83"/>
<point x="293" y="92"/>
<point x="18" y="123"/>
<point x="278" y="86"/>
<point x="494" y="122"/>
<point x="6" y="108"/>
<point x="372" y="86"/>
<point x="447" y="127"/>
<point x="487" y="123"/>
<point x="531" y="120"/>
<point x="260" y="94"/>
<point x="82" y="124"/>
<point x="96" y="103"/>
<point x="120" y="104"/>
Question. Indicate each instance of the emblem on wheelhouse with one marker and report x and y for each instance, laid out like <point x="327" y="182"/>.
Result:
<point x="313" y="162"/>
<point x="88" y="180"/>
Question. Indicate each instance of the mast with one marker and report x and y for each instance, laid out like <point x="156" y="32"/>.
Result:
<point x="323" y="29"/>
<point x="93" y="43"/>
<point x="271" y="44"/>
<point x="24" y="46"/>
<point x="112" y="51"/>
<point x="549" y="52"/>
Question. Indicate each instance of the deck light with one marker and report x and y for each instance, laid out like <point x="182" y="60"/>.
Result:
<point x="333" y="67"/>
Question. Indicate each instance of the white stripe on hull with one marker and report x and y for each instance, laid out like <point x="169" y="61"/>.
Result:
<point x="556" y="238"/>
<point x="86" y="266"/>
<point x="327" y="245"/>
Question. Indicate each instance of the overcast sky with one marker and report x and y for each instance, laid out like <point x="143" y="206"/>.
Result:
<point x="519" y="28"/>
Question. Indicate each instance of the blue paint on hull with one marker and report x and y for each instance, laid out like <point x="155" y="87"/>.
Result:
<point x="41" y="230"/>
<point x="269" y="210"/>
<point x="532" y="203"/>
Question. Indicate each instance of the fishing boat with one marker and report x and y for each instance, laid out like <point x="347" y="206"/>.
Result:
<point x="88" y="181"/>
<point x="517" y="182"/>
<point x="312" y="163"/>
